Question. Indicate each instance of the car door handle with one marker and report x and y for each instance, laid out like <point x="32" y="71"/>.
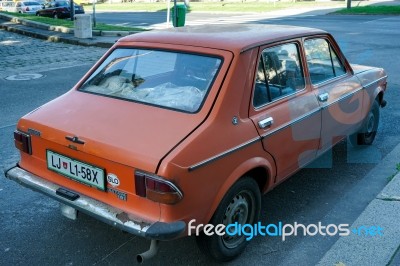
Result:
<point x="267" y="122"/>
<point x="323" y="97"/>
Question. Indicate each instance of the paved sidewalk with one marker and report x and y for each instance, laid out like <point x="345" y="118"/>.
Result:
<point x="376" y="236"/>
<point x="100" y="41"/>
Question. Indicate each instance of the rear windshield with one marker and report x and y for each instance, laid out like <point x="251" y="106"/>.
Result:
<point x="172" y="80"/>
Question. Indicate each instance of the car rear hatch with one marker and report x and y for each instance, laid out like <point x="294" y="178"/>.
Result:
<point x="112" y="137"/>
<point x="110" y="134"/>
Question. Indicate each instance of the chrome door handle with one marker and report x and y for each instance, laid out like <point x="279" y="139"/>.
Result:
<point x="266" y="122"/>
<point x="323" y="97"/>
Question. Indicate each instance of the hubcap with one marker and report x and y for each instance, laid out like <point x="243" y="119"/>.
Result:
<point x="370" y="124"/>
<point x="241" y="211"/>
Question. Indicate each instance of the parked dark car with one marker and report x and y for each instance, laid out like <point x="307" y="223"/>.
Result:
<point x="59" y="9"/>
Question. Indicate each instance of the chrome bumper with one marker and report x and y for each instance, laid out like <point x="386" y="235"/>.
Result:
<point x="99" y="210"/>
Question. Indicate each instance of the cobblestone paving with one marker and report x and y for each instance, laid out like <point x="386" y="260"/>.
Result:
<point x="19" y="53"/>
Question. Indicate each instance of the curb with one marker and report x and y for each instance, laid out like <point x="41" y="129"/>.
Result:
<point x="55" y="38"/>
<point x="366" y="246"/>
<point x="62" y="29"/>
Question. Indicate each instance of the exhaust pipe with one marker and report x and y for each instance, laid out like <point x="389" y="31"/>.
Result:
<point x="149" y="253"/>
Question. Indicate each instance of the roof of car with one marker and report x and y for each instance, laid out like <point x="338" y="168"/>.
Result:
<point x="228" y="37"/>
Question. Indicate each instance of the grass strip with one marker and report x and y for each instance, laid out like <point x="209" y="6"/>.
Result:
<point x="70" y="24"/>
<point x="370" y="10"/>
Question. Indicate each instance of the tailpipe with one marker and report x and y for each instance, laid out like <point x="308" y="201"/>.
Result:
<point x="149" y="253"/>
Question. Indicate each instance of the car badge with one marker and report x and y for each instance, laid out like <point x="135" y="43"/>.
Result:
<point x="113" y="180"/>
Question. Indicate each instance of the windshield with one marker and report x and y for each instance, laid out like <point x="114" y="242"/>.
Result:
<point x="168" y="79"/>
<point x="31" y="4"/>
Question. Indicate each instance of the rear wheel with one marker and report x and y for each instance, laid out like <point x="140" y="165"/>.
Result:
<point x="55" y="16"/>
<point x="242" y="205"/>
<point x="369" y="128"/>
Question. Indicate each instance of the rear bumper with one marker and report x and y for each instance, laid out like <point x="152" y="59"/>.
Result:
<point x="99" y="210"/>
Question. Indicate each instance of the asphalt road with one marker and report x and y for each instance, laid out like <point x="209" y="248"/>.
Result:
<point x="33" y="232"/>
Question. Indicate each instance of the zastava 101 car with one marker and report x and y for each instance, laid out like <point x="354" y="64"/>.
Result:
<point x="195" y="124"/>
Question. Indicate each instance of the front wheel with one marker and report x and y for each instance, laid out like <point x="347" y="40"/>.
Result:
<point x="241" y="205"/>
<point x="368" y="131"/>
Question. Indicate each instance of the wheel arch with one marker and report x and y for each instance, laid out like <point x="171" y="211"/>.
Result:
<point x="260" y="169"/>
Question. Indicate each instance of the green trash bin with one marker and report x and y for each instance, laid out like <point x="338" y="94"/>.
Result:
<point x="180" y="20"/>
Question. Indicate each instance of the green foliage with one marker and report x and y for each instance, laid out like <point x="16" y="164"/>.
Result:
<point x="371" y="10"/>
<point x="220" y="6"/>
<point x="70" y="24"/>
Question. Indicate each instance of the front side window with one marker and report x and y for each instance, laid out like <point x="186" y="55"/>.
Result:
<point x="279" y="74"/>
<point x="323" y="63"/>
<point x="173" y="80"/>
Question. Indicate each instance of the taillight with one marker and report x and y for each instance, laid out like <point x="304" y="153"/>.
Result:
<point x="156" y="189"/>
<point x="22" y="141"/>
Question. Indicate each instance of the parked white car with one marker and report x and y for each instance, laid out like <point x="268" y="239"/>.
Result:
<point x="28" y="7"/>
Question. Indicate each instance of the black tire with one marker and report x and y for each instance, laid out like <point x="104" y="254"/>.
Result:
<point x="242" y="204"/>
<point x="367" y="133"/>
<point x="55" y="16"/>
<point x="37" y="14"/>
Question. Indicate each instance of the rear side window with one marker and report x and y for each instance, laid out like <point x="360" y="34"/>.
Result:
<point x="279" y="74"/>
<point x="323" y="63"/>
<point x="173" y="80"/>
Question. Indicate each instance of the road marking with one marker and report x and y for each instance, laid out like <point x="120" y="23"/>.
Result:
<point x="12" y="125"/>
<point x="23" y="76"/>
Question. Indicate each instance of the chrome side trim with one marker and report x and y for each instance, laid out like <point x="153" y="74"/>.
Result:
<point x="288" y="124"/>
<point x="373" y="82"/>
<point x="223" y="154"/>
<point x="342" y="97"/>
<point x="353" y="92"/>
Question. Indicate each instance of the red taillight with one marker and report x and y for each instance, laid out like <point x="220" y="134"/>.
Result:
<point x="22" y="141"/>
<point x="156" y="188"/>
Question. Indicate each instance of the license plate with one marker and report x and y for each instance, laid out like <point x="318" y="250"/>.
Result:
<point x="76" y="170"/>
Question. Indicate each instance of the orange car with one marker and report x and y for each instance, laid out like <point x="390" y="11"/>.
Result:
<point x="172" y="130"/>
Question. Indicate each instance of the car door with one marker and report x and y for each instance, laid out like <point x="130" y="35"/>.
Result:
<point x="284" y="109"/>
<point x="338" y="91"/>
<point x="48" y="10"/>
